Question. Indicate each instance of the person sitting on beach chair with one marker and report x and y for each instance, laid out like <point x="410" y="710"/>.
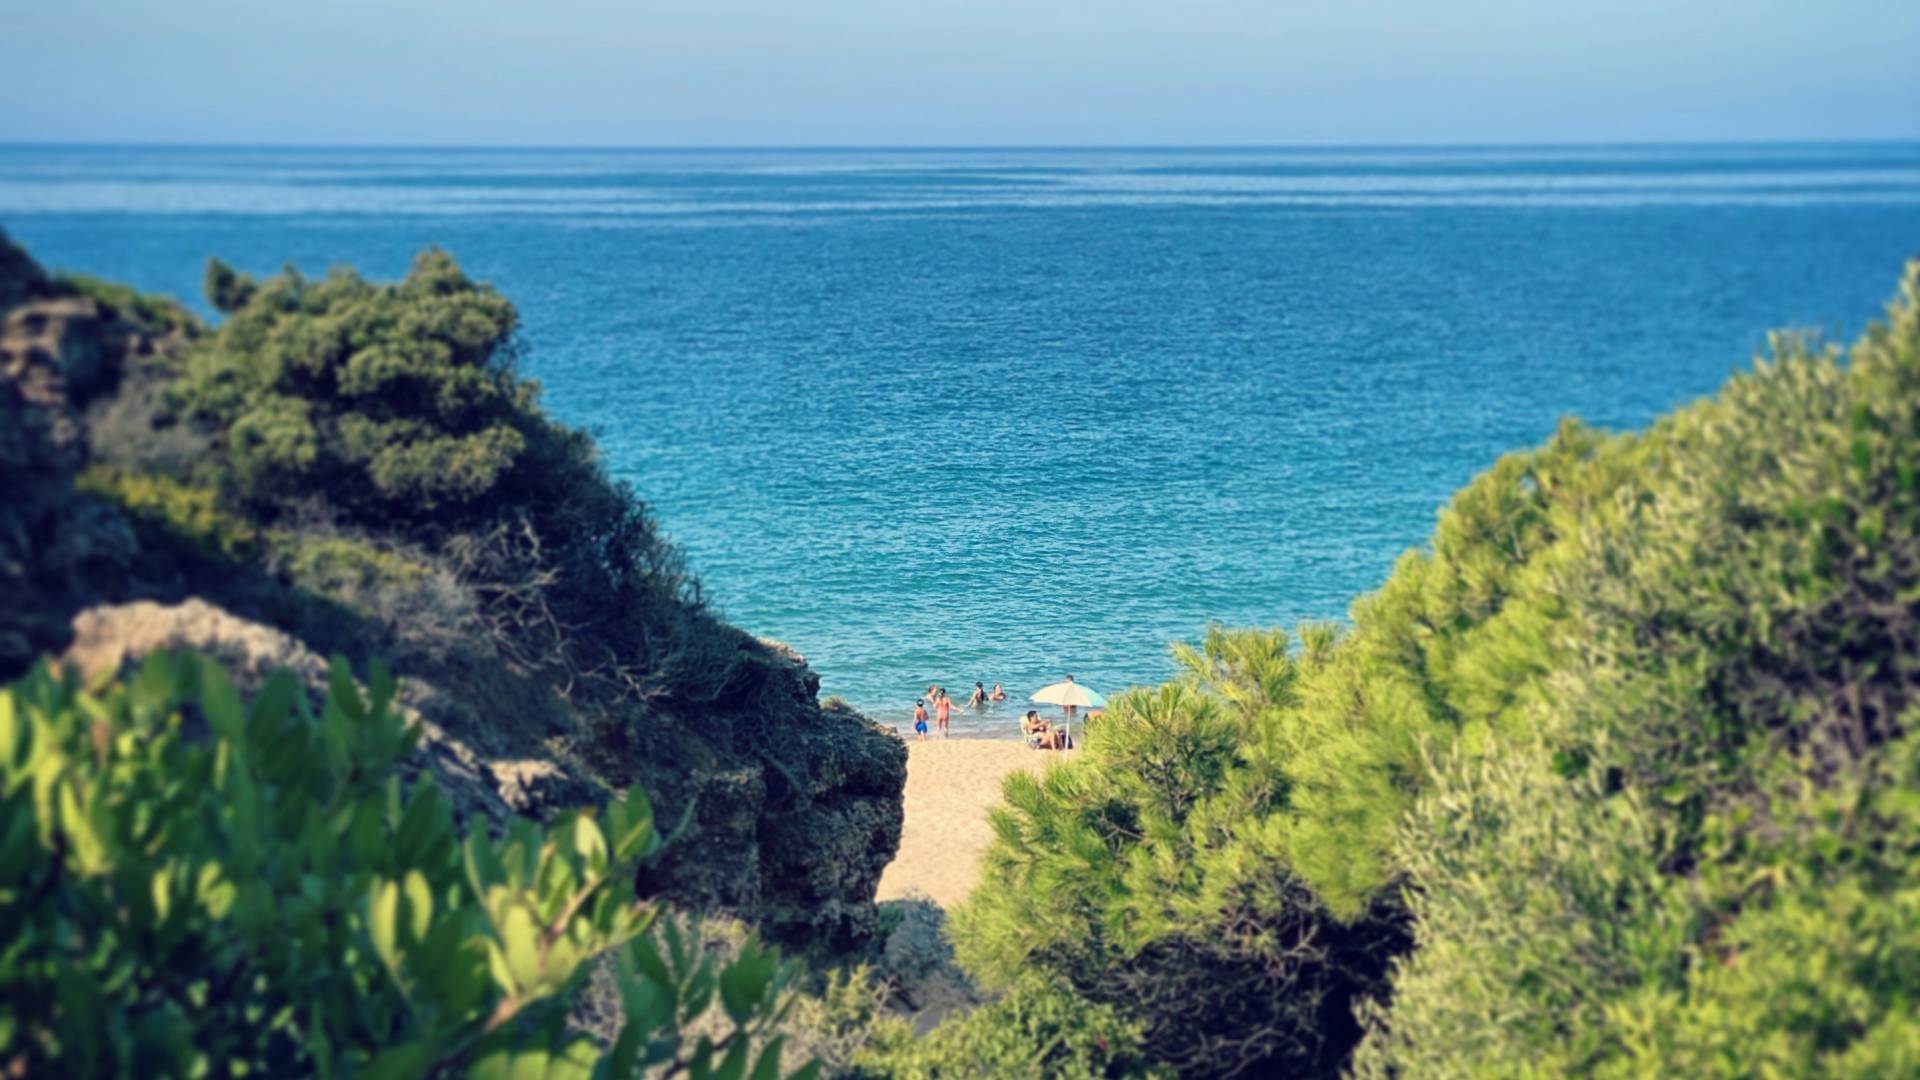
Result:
<point x="1035" y="730"/>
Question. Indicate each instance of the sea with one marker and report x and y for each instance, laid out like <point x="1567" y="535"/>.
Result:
<point x="1001" y="415"/>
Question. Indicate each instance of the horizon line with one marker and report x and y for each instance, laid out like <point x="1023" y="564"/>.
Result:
<point x="696" y="148"/>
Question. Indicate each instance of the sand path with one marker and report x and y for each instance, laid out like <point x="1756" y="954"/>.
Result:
<point x="951" y="786"/>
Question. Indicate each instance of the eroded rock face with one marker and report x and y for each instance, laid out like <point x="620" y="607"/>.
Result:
<point x="56" y="548"/>
<point x="795" y="806"/>
<point x="482" y="788"/>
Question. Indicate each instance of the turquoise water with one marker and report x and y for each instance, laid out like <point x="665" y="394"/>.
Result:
<point x="939" y="416"/>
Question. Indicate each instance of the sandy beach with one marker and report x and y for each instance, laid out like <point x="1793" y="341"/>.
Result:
<point x="951" y="786"/>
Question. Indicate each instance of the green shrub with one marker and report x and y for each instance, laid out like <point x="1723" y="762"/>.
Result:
<point x="190" y="885"/>
<point x="1554" y="941"/>
<point x="188" y="512"/>
<point x="382" y="396"/>
<point x="1150" y="876"/>
<point x="1700" y="864"/>
<point x="835" y="1021"/>
<point x="1034" y="1032"/>
<point x="1540" y="900"/>
<point x="347" y="570"/>
<point x="1819" y="979"/>
<point x="342" y="566"/>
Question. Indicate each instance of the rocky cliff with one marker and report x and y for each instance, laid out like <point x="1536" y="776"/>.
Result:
<point x="787" y="809"/>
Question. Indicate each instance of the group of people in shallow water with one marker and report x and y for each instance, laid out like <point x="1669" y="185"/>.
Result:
<point x="943" y="706"/>
<point x="1035" y="730"/>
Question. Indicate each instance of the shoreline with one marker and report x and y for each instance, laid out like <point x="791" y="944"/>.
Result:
<point x="999" y="723"/>
<point x="952" y="787"/>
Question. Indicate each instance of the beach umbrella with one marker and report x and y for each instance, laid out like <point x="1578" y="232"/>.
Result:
<point x="1068" y="693"/>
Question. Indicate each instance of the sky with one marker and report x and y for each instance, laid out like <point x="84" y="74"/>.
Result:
<point x="955" y="72"/>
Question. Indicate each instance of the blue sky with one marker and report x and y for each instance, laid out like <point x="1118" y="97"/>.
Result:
<point x="955" y="72"/>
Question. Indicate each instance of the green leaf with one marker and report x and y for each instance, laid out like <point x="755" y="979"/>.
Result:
<point x="89" y="849"/>
<point x="380" y="684"/>
<point x="646" y="959"/>
<point x="423" y="824"/>
<point x="220" y="703"/>
<point x="501" y="971"/>
<point x="273" y="704"/>
<point x="508" y="1064"/>
<point x="630" y="823"/>
<point x="736" y="994"/>
<point x="419" y="903"/>
<point x="521" y="939"/>
<point x="342" y="694"/>
<point x="483" y="868"/>
<point x="383" y="923"/>
<point x="590" y="845"/>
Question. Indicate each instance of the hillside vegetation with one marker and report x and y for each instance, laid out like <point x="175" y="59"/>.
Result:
<point x="358" y="468"/>
<point x="1616" y="777"/>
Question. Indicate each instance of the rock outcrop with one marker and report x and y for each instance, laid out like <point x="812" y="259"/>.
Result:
<point x="797" y="806"/>
<point x="110" y="637"/>
<point x="57" y="353"/>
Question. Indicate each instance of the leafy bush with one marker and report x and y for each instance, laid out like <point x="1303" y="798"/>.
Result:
<point x="394" y="394"/>
<point x="1818" y="979"/>
<point x="1553" y="942"/>
<point x="1034" y="1032"/>
<point x="411" y="598"/>
<point x="339" y="565"/>
<point x="836" y="1021"/>
<point x="192" y="885"/>
<point x="189" y="512"/>
<point x="1150" y="876"/>
<point x="1701" y="863"/>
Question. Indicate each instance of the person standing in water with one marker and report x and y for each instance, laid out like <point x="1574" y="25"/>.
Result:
<point x="942" y="712"/>
<point x="979" y="698"/>
<point x="998" y="694"/>
<point x="920" y="718"/>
